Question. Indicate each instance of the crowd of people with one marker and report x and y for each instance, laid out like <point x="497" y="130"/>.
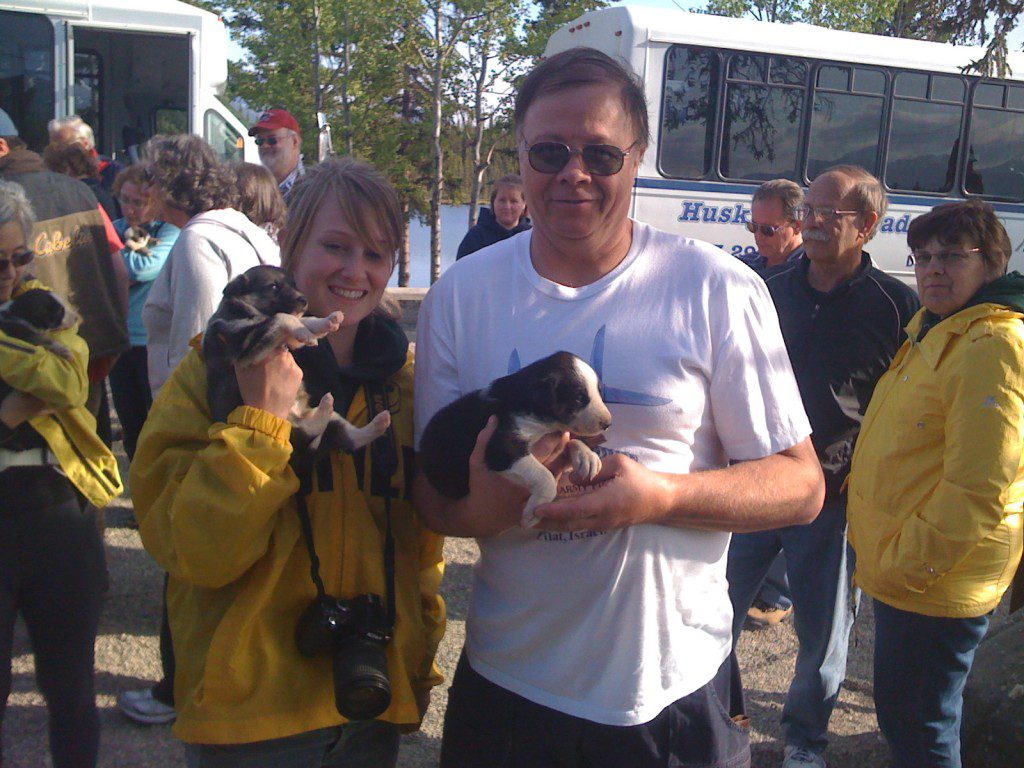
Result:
<point x="802" y="414"/>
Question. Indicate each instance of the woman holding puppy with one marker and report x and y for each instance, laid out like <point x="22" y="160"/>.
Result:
<point x="52" y="569"/>
<point x="221" y="508"/>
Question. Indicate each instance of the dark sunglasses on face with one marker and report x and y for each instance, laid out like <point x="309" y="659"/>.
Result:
<point x="261" y="140"/>
<point x="766" y="229"/>
<point x="18" y="260"/>
<point x="599" y="159"/>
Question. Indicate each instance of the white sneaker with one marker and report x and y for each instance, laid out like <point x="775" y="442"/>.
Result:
<point x="141" y="707"/>
<point x="801" y="757"/>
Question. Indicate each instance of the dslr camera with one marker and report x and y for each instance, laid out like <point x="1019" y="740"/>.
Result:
<point x="355" y="632"/>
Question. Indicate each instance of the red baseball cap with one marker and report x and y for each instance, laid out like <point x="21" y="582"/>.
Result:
<point x="273" y="119"/>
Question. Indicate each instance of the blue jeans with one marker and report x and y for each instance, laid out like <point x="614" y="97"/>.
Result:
<point x="363" y="744"/>
<point x="921" y="667"/>
<point x="820" y="567"/>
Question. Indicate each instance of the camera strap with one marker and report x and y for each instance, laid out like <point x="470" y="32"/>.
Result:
<point x="383" y="465"/>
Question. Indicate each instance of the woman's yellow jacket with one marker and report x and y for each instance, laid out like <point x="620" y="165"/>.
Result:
<point x="216" y="509"/>
<point x="70" y="431"/>
<point x="937" y="482"/>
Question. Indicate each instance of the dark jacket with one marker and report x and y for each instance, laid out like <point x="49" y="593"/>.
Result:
<point x="72" y="251"/>
<point x="488" y="231"/>
<point x="839" y="343"/>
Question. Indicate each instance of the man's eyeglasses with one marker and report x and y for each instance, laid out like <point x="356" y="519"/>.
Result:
<point x="599" y="159"/>
<point x="271" y="140"/>
<point x="766" y="229"/>
<point x="825" y="214"/>
<point x="18" y="260"/>
<point x="946" y="259"/>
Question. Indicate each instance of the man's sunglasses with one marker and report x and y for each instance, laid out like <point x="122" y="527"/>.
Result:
<point x="271" y="140"/>
<point x="599" y="159"/>
<point x="766" y="229"/>
<point x="18" y="260"/>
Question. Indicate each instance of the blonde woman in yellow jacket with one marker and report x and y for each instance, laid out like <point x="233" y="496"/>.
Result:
<point x="219" y="508"/>
<point x="938" y="480"/>
<point x="52" y="568"/>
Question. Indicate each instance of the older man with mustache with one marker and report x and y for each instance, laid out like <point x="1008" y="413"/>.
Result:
<point x="842" y="319"/>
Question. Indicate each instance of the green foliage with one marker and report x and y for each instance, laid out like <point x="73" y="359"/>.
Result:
<point x="972" y="22"/>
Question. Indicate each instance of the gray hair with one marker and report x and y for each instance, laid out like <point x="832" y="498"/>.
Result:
<point x="82" y="132"/>
<point x="868" y="192"/>
<point x="787" y="192"/>
<point x="14" y="206"/>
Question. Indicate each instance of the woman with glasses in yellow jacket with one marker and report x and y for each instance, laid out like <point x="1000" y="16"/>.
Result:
<point x="938" y="480"/>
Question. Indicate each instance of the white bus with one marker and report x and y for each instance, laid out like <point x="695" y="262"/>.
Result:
<point x="734" y="102"/>
<point x="131" y="69"/>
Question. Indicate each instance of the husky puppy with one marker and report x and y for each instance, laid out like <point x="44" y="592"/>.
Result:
<point x="138" y="239"/>
<point x="262" y="311"/>
<point x="559" y="393"/>
<point x="35" y="314"/>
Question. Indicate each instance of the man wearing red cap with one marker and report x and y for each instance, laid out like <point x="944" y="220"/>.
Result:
<point x="279" y="140"/>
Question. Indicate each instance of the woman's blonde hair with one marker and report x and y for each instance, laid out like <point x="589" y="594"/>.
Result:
<point x="367" y="200"/>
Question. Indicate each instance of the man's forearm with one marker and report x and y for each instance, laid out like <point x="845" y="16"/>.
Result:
<point x="786" y="488"/>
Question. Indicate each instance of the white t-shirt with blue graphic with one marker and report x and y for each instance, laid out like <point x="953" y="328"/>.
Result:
<point x="615" y="626"/>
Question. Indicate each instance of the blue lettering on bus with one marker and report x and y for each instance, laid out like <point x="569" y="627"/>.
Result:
<point x="699" y="211"/>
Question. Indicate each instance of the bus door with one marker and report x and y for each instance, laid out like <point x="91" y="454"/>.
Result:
<point x="129" y="85"/>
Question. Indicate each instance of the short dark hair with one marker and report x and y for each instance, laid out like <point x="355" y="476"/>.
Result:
<point x="971" y="222"/>
<point x="513" y="180"/>
<point x="133" y="174"/>
<point x="190" y="175"/>
<point x="72" y="158"/>
<point x="580" y="67"/>
<point x="259" y="197"/>
<point x="787" y="192"/>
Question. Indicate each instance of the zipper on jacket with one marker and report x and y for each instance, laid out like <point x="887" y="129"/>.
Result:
<point x="106" y="481"/>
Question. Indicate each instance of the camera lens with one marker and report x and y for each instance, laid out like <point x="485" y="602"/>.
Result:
<point x="362" y="690"/>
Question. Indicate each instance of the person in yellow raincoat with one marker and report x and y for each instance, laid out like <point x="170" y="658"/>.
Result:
<point x="52" y="567"/>
<point x="937" y="480"/>
<point x="222" y="510"/>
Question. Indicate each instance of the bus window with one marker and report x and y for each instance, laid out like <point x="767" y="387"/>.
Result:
<point x="845" y="127"/>
<point x="762" y="122"/>
<point x="88" y="88"/>
<point x="869" y="81"/>
<point x="688" y="112"/>
<point x="225" y="140"/>
<point x="924" y="139"/>
<point x="26" y="74"/>
<point x="995" y="160"/>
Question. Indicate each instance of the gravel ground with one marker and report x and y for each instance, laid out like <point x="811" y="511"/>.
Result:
<point x="127" y="658"/>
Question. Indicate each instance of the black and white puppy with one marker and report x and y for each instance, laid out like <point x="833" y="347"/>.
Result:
<point x="261" y="311"/>
<point x="559" y="393"/>
<point x="35" y="314"/>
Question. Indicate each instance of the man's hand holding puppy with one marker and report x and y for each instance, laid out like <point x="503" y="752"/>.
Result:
<point x="734" y="499"/>
<point x="494" y="503"/>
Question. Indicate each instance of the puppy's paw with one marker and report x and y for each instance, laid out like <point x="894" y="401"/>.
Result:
<point x="529" y="519"/>
<point x="317" y="327"/>
<point x="585" y="463"/>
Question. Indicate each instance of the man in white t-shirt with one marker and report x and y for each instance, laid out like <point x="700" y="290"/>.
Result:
<point x="601" y="637"/>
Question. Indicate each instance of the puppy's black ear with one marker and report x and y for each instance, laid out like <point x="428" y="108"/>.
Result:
<point x="544" y="396"/>
<point x="237" y="286"/>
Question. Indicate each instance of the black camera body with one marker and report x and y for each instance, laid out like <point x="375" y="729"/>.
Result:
<point x="355" y="632"/>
